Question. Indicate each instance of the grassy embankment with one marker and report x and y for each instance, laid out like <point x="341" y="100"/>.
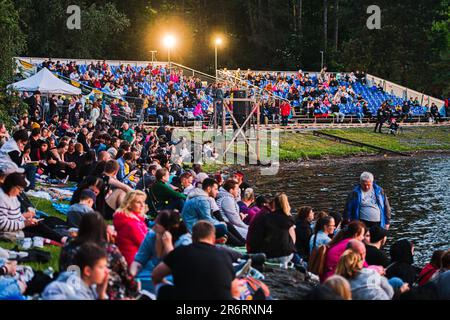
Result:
<point x="295" y="146"/>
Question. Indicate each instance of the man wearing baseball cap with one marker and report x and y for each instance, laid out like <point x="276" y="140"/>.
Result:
<point x="374" y="254"/>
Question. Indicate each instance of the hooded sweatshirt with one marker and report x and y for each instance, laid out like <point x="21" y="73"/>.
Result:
<point x="402" y="260"/>
<point x="230" y="211"/>
<point x="69" y="286"/>
<point x="369" y="285"/>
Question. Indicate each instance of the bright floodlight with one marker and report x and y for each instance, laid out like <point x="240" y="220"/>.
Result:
<point x="219" y="41"/>
<point x="169" y="41"/>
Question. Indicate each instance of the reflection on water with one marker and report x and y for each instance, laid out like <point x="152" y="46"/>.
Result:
<point x="418" y="190"/>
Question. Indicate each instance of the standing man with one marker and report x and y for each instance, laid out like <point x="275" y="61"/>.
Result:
<point x="368" y="203"/>
<point x="285" y="110"/>
<point x="35" y="106"/>
<point x="381" y="118"/>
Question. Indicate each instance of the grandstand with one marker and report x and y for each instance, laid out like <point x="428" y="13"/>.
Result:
<point x="178" y="87"/>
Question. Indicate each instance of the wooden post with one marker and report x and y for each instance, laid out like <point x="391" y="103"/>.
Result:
<point x="224" y="130"/>
<point x="258" y="127"/>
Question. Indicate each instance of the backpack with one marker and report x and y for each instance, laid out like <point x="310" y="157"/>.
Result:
<point x="317" y="260"/>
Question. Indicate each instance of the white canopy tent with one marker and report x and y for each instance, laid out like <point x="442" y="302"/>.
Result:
<point x="47" y="83"/>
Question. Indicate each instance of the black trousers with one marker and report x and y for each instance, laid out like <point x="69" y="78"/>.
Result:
<point x="370" y="224"/>
<point x="379" y="125"/>
<point x="44" y="229"/>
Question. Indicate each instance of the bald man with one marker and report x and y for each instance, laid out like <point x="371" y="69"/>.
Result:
<point x="359" y="247"/>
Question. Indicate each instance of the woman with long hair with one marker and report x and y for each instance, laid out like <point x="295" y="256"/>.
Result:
<point x="303" y="231"/>
<point x="273" y="233"/>
<point x="93" y="183"/>
<point x="130" y="223"/>
<point x="323" y="229"/>
<point x="355" y="231"/>
<point x="366" y="284"/>
<point x="93" y="229"/>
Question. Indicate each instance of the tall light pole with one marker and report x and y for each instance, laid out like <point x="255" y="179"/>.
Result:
<point x="321" y="64"/>
<point x="217" y="42"/>
<point x="169" y="42"/>
<point x="153" y="52"/>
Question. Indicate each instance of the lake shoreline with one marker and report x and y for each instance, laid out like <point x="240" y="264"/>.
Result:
<point x="355" y="158"/>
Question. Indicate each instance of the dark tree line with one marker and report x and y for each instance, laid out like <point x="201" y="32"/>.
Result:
<point x="412" y="47"/>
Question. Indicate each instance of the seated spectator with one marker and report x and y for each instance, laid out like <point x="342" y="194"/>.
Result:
<point x="354" y="231"/>
<point x="113" y="191"/>
<point x="229" y="209"/>
<point x="12" y="151"/>
<point x="246" y="206"/>
<point x="366" y="284"/>
<point x="125" y="163"/>
<point x="129" y="222"/>
<point x="149" y="178"/>
<point x="158" y="243"/>
<point x="340" y="286"/>
<point x="168" y="198"/>
<point x="273" y="233"/>
<point x="84" y="206"/>
<point x="336" y="110"/>
<point x="402" y="259"/>
<point x="374" y="255"/>
<point x="323" y="229"/>
<point x="441" y="279"/>
<point x="200" y="271"/>
<point x="186" y="180"/>
<point x="93" y="229"/>
<point x="15" y="222"/>
<point x="61" y="168"/>
<point x="198" y="207"/>
<point x="91" y="260"/>
<point x="431" y="268"/>
<point x="303" y="231"/>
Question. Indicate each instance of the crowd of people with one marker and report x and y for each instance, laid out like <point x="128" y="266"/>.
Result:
<point x="143" y="225"/>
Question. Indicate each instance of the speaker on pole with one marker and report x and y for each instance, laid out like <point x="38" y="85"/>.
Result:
<point x="241" y="109"/>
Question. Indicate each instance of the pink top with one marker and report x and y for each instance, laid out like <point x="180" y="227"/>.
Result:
<point x="198" y="110"/>
<point x="131" y="231"/>
<point x="333" y="256"/>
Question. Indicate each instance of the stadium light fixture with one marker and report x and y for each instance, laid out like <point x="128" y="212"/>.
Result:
<point x="218" y="41"/>
<point x="169" y="42"/>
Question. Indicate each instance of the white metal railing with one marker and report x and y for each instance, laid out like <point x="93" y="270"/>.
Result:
<point x="287" y="73"/>
<point x="403" y="92"/>
<point x="229" y="76"/>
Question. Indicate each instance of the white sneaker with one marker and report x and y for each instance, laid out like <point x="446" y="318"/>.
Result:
<point x="38" y="242"/>
<point x="27" y="243"/>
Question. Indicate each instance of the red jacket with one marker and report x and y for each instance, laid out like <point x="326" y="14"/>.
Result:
<point x="426" y="274"/>
<point x="285" y="109"/>
<point x="131" y="231"/>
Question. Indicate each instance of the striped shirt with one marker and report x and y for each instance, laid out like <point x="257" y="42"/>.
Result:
<point x="11" y="218"/>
